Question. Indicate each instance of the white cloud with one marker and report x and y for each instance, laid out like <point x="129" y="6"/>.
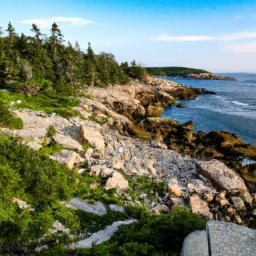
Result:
<point x="167" y="38"/>
<point x="242" y="47"/>
<point x="46" y="23"/>
<point x="198" y="38"/>
<point x="237" y="36"/>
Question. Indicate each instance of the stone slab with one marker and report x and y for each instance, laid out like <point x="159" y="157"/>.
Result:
<point x="228" y="239"/>
<point x="195" y="244"/>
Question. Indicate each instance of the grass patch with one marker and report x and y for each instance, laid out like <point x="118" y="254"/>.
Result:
<point x="145" y="185"/>
<point x="49" y="102"/>
<point x="50" y="149"/>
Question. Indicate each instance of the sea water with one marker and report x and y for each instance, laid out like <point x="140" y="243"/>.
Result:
<point x="232" y="109"/>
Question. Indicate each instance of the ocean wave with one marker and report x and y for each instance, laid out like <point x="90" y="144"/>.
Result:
<point x="239" y="103"/>
<point x="228" y="110"/>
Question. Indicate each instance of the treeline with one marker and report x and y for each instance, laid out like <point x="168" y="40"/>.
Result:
<point x="41" y="62"/>
<point x="174" y="71"/>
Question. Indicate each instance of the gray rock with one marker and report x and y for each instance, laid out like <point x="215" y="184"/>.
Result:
<point x="67" y="142"/>
<point x="100" y="236"/>
<point x="97" y="208"/>
<point x="228" y="239"/>
<point x="116" y="208"/>
<point x="238" y="202"/>
<point x="195" y="244"/>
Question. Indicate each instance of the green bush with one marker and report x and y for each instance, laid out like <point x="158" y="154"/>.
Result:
<point x="31" y="176"/>
<point x="51" y="131"/>
<point x="7" y="119"/>
<point x="152" y="235"/>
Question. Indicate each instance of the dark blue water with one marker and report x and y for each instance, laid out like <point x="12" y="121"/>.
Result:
<point x="232" y="109"/>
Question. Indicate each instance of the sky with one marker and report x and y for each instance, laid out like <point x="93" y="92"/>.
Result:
<point x="219" y="35"/>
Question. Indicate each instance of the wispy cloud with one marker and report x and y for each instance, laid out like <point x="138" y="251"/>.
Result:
<point x="46" y="23"/>
<point x="197" y="38"/>
<point x="242" y="48"/>
<point x="193" y="38"/>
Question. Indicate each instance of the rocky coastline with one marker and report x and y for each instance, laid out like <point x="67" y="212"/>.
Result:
<point x="209" y="76"/>
<point x="128" y="139"/>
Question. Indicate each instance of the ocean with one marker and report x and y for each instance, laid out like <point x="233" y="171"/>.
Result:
<point x="232" y="109"/>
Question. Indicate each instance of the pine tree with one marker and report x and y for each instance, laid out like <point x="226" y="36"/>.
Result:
<point x="56" y="37"/>
<point x="1" y="31"/>
<point x="11" y="31"/>
<point x="35" y="29"/>
<point x="90" y="53"/>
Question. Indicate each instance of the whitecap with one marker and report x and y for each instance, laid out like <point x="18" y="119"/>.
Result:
<point x="239" y="103"/>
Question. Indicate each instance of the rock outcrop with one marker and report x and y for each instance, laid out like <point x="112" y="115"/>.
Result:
<point x="225" y="178"/>
<point x="209" y="76"/>
<point x="93" y="137"/>
<point x="119" y="133"/>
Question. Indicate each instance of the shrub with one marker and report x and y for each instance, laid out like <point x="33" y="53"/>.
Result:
<point x="51" y="131"/>
<point x="7" y="119"/>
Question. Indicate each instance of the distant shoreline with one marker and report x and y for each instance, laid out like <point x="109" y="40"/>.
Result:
<point x="184" y="72"/>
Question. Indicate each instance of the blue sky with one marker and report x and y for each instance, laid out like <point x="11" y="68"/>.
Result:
<point x="216" y="35"/>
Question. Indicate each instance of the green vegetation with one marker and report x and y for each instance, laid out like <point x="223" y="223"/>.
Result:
<point x="151" y="235"/>
<point x="145" y="185"/>
<point x="134" y="71"/>
<point x="43" y="184"/>
<point x="7" y="119"/>
<point x="174" y="71"/>
<point x="35" y="64"/>
<point x="50" y="102"/>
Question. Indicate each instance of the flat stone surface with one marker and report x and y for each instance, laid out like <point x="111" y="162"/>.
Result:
<point x="97" y="208"/>
<point x="100" y="236"/>
<point x="195" y="244"/>
<point x="228" y="239"/>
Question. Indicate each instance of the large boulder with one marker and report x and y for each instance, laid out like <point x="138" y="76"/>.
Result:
<point x="224" y="177"/>
<point x="93" y="137"/>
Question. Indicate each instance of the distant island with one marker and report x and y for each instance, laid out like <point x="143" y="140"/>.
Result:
<point x="191" y="73"/>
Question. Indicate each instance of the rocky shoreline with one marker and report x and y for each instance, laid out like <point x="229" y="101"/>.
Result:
<point x="128" y="139"/>
<point x="209" y="76"/>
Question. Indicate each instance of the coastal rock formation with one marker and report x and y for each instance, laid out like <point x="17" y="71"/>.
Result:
<point x="209" y="76"/>
<point x="124" y="140"/>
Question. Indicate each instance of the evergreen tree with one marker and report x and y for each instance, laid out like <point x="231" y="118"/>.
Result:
<point x="11" y="30"/>
<point x="35" y="29"/>
<point x="56" y="37"/>
<point x="1" y="31"/>
<point x="36" y="61"/>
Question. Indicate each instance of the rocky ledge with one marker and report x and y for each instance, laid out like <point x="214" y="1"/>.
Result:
<point x="126" y="139"/>
<point x="209" y="76"/>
